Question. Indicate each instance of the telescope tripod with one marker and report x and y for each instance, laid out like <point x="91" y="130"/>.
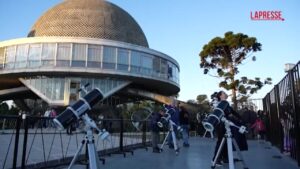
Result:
<point x="88" y="141"/>
<point x="172" y="132"/>
<point x="230" y="140"/>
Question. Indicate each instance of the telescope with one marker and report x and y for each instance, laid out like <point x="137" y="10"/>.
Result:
<point x="78" y="109"/>
<point x="213" y="119"/>
<point x="165" y="120"/>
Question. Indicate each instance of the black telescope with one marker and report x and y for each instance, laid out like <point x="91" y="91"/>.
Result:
<point x="79" y="108"/>
<point x="214" y="118"/>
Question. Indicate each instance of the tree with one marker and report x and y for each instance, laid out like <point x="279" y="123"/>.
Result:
<point x="202" y="98"/>
<point x="204" y="102"/>
<point x="225" y="55"/>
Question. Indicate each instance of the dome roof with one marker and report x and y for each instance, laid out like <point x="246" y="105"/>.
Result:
<point x="89" y="18"/>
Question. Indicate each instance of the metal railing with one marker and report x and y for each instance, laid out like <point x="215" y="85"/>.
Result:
<point x="282" y="105"/>
<point x="34" y="142"/>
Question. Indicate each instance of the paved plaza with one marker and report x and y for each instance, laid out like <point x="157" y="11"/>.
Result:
<point x="198" y="156"/>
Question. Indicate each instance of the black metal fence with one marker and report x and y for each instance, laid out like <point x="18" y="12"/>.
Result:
<point x="34" y="142"/>
<point x="282" y="105"/>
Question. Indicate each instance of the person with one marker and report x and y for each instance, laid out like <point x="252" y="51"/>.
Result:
<point x="286" y="126"/>
<point x="156" y="116"/>
<point x="249" y="118"/>
<point x="46" y="119"/>
<point x="53" y="114"/>
<point x="259" y="128"/>
<point x="220" y="130"/>
<point x="184" y="123"/>
<point x="174" y="112"/>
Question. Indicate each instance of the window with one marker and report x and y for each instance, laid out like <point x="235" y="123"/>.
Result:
<point x="94" y="56"/>
<point x="21" y="56"/>
<point x="74" y="95"/>
<point x="78" y="55"/>
<point x="58" y="89"/>
<point x="109" y="57"/>
<point x="156" y="66"/>
<point x="123" y="59"/>
<point x="135" y="62"/>
<point x="63" y="55"/>
<point x="170" y="71"/>
<point x="146" y="63"/>
<point x="34" y="55"/>
<point x="10" y="57"/>
<point x="163" y="68"/>
<point x="48" y="54"/>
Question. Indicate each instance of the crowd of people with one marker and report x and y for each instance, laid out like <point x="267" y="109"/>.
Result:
<point x="255" y="123"/>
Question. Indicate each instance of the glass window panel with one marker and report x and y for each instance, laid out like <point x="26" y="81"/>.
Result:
<point x="48" y="54"/>
<point x="135" y="62"/>
<point x="63" y="55"/>
<point x="156" y="66"/>
<point x="94" y="56"/>
<point x="74" y="95"/>
<point x="123" y="59"/>
<point x="1" y="58"/>
<point x="10" y="57"/>
<point x="109" y="57"/>
<point x="146" y="63"/>
<point x="79" y="55"/>
<point x="34" y="55"/>
<point x="170" y="70"/>
<point x="48" y="86"/>
<point x="58" y="89"/>
<point x="21" y="56"/>
<point x="163" y="68"/>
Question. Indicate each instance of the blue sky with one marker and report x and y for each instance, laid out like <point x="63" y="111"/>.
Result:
<point x="180" y="28"/>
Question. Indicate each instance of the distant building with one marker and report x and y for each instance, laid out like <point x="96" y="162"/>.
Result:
<point x="79" y="42"/>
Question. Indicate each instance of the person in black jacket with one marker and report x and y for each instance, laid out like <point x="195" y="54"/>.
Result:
<point x="155" y="129"/>
<point x="220" y="130"/>
<point x="184" y="123"/>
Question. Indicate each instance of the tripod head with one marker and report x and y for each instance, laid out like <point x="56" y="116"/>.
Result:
<point x="166" y="121"/>
<point x="90" y="124"/>
<point x="228" y="124"/>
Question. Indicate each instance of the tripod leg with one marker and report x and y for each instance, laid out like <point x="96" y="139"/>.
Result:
<point x="76" y="154"/>
<point x="230" y="154"/>
<point x="164" y="142"/>
<point x="211" y="134"/>
<point x="204" y="133"/>
<point x="175" y="142"/>
<point x="218" y="152"/>
<point x="93" y="156"/>
<point x="239" y="153"/>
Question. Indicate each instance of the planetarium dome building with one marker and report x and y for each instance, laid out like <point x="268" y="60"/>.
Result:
<point x="84" y="42"/>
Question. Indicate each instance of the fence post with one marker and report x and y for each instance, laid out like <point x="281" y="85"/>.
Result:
<point x="296" y="111"/>
<point x="279" y="135"/>
<point x="144" y="136"/>
<point x="18" y="126"/>
<point x="3" y="125"/>
<point x="25" y="120"/>
<point x="121" y="133"/>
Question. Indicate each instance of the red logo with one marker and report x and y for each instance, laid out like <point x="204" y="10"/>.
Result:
<point x="266" y="15"/>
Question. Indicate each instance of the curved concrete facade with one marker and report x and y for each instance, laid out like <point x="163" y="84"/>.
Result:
<point x="54" y="67"/>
